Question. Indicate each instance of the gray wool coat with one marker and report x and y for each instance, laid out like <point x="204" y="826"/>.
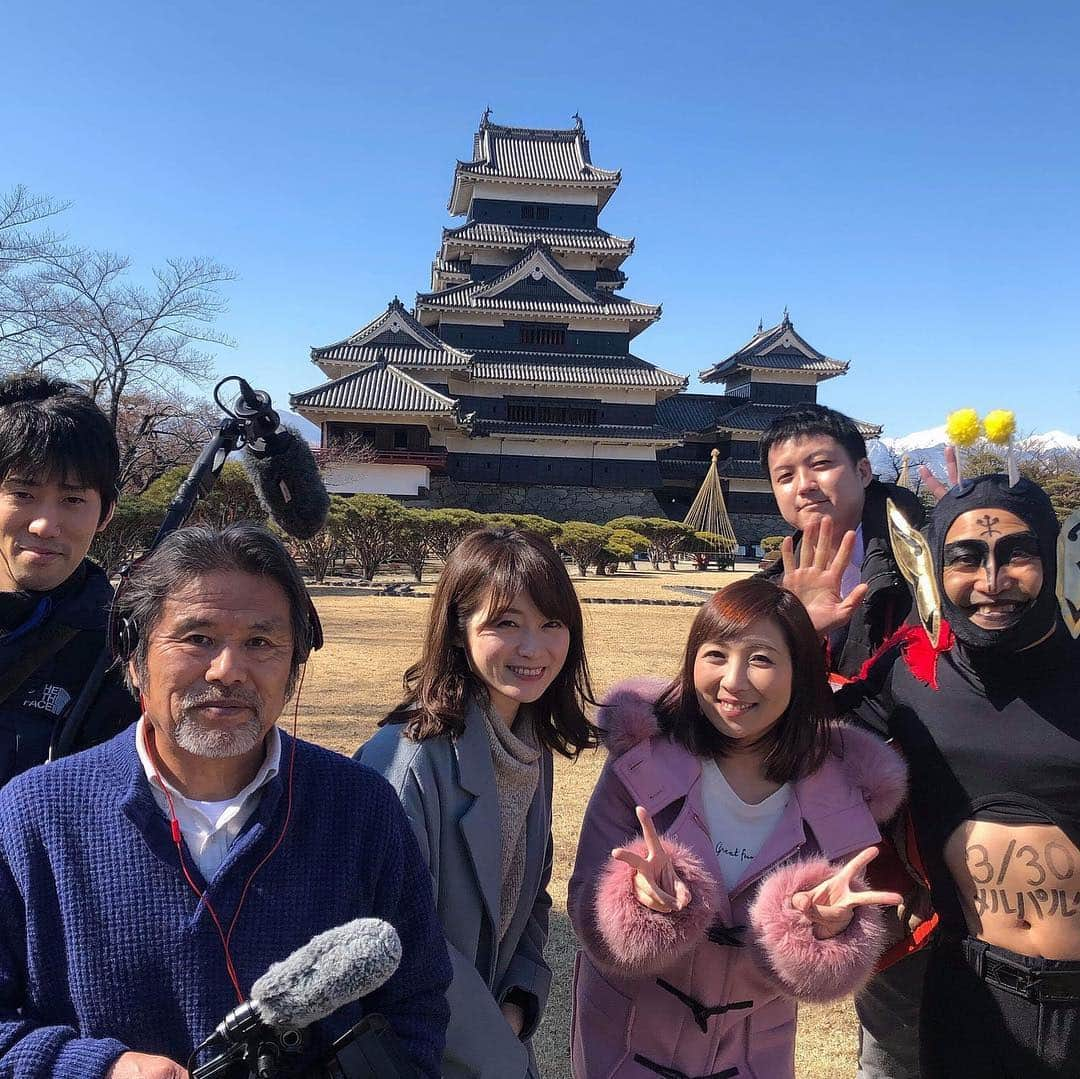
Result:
<point x="447" y="787"/>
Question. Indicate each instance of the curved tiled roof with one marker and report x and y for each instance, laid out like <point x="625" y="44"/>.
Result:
<point x="757" y="417"/>
<point x="379" y="387"/>
<point x="778" y="361"/>
<point x="474" y="295"/>
<point x="778" y="348"/>
<point x="512" y="237"/>
<point x="398" y="355"/>
<point x="569" y="368"/>
<point x="402" y="329"/>
<point x="691" y="411"/>
<point x="462" y="300"/>
<point x="532" y="156"/>
<point x="684" y="468"/>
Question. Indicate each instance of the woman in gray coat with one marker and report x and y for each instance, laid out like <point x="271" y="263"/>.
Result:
<point x="501" y="683"/>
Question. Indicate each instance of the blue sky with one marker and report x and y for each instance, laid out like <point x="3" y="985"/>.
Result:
<point x="904" y="177"/>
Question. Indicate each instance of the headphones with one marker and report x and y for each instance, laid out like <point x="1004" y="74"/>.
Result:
<point x="123" y="630"/>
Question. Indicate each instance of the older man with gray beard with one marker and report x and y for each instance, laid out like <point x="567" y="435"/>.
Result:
<point x="146" y="883"/>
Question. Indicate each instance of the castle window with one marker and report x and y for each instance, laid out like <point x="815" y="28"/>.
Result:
<point x="401" y="439"/>
<point x="542" y="412"/>
<point x="540" y="334"/>
<point x="541" y="213"/>
<point x="528" y="213"/>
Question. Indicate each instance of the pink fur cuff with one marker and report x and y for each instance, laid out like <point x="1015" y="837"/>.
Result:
<point x="811" y="969"/>
<point x="639" y="941"/>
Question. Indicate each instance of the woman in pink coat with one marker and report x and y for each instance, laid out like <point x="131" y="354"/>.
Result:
<point x="719" y="873"/>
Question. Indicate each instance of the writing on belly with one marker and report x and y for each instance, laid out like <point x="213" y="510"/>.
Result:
<point x="1019" y="885"/>
<point x="1048" y="869"/>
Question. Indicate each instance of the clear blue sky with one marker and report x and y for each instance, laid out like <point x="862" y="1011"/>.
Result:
<point x="903" y="176"/>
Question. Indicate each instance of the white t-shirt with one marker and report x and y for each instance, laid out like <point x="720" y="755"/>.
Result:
<point x="737" y="828"/>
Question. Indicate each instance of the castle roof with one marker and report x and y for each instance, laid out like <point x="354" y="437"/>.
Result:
<point x="491" y="365"/>
<point x="678" y="468"/>
<point x="779" y="348"/>
<point x="700" y="412"/>
<point x="537" y="285"/>
<point x="396" y="334"/>
<point x="378" y="387"/>
<point x="692" y="411"/>
<point x="533" y="156"/>
<point x="486" y="234"/>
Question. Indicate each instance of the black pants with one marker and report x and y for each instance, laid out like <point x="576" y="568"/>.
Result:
<point x="989" y="1013"/>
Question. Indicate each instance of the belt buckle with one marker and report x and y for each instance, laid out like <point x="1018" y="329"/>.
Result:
<point x="1009" y="977"/>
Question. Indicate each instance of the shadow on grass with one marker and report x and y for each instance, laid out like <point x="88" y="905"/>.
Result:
<point x="552" y="1041"/>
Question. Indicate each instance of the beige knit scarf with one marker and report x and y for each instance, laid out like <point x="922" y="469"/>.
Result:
<point x="515" y="755"/>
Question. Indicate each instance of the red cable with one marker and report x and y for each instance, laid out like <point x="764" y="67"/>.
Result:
<point x="177" y="838"/>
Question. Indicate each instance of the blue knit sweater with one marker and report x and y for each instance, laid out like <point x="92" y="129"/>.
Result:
<point x="104" y="947"/>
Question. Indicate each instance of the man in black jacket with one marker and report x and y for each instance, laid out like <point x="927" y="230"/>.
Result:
<point x="816" y="462"/>
<point x="58" y="472"/>
<point x="824" y="486"/>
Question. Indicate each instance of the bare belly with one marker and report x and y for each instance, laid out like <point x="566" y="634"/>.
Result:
<point x="1019" y="885"/>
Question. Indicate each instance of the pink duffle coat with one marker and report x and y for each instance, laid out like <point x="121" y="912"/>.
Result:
<point x="710" y="992"/>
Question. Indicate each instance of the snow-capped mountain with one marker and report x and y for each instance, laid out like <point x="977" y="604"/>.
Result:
<point x="928" y="448"/>
<point x="305" y="428"/>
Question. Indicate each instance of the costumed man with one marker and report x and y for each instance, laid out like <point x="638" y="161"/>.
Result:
<point x="824" y="487"/>
<point x="145" y="883"/>
<point x="58" y="475"/>
<point x="982" y="701"/>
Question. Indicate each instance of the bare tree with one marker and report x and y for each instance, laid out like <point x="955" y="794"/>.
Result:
<point x="24" y="241"/>
<point x="139" y="347"/>
<point x="122" y="338"/>
<point x="157" y="432"/>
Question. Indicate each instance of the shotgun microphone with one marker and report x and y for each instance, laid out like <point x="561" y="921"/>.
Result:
<point x="280" y="466"/>
<point x="333" y="969"/>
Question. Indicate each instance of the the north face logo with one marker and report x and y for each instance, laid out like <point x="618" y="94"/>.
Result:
<point x="48" y="699"/>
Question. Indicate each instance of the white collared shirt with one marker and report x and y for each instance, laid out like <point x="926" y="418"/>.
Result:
<point x="853" y="572"/>
<point x="209" y="828"/>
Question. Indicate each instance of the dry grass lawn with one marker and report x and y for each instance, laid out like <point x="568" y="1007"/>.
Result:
<point x="357" y="677"/>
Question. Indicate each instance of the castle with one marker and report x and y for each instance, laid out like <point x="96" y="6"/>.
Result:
<point x="511" y="386"/>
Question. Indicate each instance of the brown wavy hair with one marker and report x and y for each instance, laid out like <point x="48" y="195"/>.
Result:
<point x="798" y="742"/>
<point x="487" y="569"/>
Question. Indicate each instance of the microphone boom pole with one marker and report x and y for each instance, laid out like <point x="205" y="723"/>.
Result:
<point x="232" y="431"/>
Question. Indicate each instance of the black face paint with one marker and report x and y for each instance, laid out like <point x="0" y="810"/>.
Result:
<point x="989" y="495"/>
<point x="976" y="553"/>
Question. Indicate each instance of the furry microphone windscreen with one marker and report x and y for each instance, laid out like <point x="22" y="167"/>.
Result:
<point x="331" y="970"/>
<point x="287" y="482"/>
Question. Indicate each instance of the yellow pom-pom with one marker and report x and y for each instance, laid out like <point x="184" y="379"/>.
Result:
<point x="962" y="426"/>
<point x="1000" y="426"/>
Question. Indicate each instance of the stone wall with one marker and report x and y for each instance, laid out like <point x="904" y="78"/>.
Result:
<point x="557" y="503"/>
<point x="754" y="527"/>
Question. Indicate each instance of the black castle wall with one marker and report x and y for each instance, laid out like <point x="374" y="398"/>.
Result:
<point x="508" y="336"/>
<point x="605" y="412"/>
<point x="553" y="214"/>
<point x="544" y="471"/>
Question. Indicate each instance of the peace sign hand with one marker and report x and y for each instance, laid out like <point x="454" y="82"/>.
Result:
<point x="656" y="884"/>
<point x="831" y="905"/>
<point x="817" y="578"/>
